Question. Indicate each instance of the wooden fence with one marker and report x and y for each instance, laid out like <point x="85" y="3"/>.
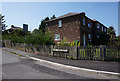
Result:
<point x="99" y="53"/>
<point x="92" y="53"/>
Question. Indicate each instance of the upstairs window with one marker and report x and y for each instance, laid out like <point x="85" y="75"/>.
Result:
<point x="90" y="37"/>
<point x="60" y="23"/>
<point x="102" y="28"/>
<point x="84" y="21"/>
<point x="89" y="24"/>
<point x="57" y="36"/>
<point x="98" y="26"/>
<point x="105" y="30"/>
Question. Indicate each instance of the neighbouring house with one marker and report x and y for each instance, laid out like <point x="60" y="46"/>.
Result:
<point x="75" y="26"/>
<point x="12" y="29"/>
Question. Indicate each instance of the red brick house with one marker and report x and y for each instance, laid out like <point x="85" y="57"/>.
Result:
<point x="75" y="26"/>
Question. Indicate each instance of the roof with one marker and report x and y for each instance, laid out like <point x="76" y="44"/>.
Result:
<point x="72" y="14"/>
<point x="63" y="16"/>
<point x="14" y="28"/>
<point x="93" y="19"/>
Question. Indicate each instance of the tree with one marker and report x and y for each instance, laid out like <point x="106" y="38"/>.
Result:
<point x="117" y="41"/>
<point x="42" y="25"/>
<point x="111" y="33"/>
<point x="48" y="39"/>
<point x="35" y="31"/>
<point x="53" y="17"/>
<point x="2" y="22"/>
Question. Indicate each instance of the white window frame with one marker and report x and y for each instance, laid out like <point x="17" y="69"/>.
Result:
<point x="98" y="26"/>
<point x="90" y="37"/>
<point x="84" y="21"/>
<point x="60" y="23"/>
<point x="57" y="37"/>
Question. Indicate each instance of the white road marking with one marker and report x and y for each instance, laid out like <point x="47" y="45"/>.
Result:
<point x="72" y="67"/>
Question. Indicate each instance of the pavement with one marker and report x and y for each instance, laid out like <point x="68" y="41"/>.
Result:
<point x="88" y="65"/>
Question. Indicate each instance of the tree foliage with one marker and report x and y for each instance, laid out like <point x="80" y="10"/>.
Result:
<point x="2" y="22"/>
<point x="117" y="41"/>
<point x="43" y="24"/>
<point x="111" y="31"/>
<point x="37" y="37"/>
<point x="53" y="17"/>
<point x="112" y="34"/>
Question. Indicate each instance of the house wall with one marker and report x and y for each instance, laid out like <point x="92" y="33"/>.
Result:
<point x="84" y="29"/>
<point x="70" y="28"/>
<point x="73" y="29"/>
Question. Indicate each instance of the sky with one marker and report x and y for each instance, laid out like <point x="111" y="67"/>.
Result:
<point x="31" y="13"/>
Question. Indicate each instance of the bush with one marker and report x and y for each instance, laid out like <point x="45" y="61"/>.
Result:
<point x="64" y="42"/>
<point x="39" y="38"/>
<point x="36" y="38"/>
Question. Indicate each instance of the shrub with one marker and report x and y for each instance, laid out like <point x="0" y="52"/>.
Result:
<point x="64" y="42"/>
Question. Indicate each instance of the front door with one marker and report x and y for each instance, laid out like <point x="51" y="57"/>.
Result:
<point x="84" y="39"/>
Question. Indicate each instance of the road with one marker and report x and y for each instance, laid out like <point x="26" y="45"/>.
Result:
<point x="17" y="67"/>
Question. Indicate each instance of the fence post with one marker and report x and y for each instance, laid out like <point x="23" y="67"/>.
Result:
<point x="77" y="52"/>
<point x="102" y="52"/>
<point x="51" y="50"/>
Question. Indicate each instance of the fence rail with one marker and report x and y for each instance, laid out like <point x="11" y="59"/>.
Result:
<point x="80" y="52"/>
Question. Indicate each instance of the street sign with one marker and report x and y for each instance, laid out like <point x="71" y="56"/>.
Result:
<point x="25" y="27"/>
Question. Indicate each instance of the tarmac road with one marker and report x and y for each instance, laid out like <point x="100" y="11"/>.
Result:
<point x="17" y="67"/>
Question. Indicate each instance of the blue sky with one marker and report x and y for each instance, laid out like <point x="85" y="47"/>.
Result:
<point x="32" y="13"/>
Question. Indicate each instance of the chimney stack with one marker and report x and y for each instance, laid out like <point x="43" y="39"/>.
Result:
<point x="83" y="13"/>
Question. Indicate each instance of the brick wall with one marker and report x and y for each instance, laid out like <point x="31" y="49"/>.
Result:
<point x="70" y="28"/>
<point x="73" y="29"/>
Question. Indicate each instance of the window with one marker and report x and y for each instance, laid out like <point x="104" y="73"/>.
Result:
<point x="102" y="28"/>
<point x="89" y="24"/>
<point x="60" y="23"/>
<point x="90" y="37"/>
<point x="83" y="21"/>
<point x="98" y="26"/>
<point x="98" y="36"/>
<point x="57" y="36"/>
<point x="47" y="24"/>
<point x="105" y="29"/>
